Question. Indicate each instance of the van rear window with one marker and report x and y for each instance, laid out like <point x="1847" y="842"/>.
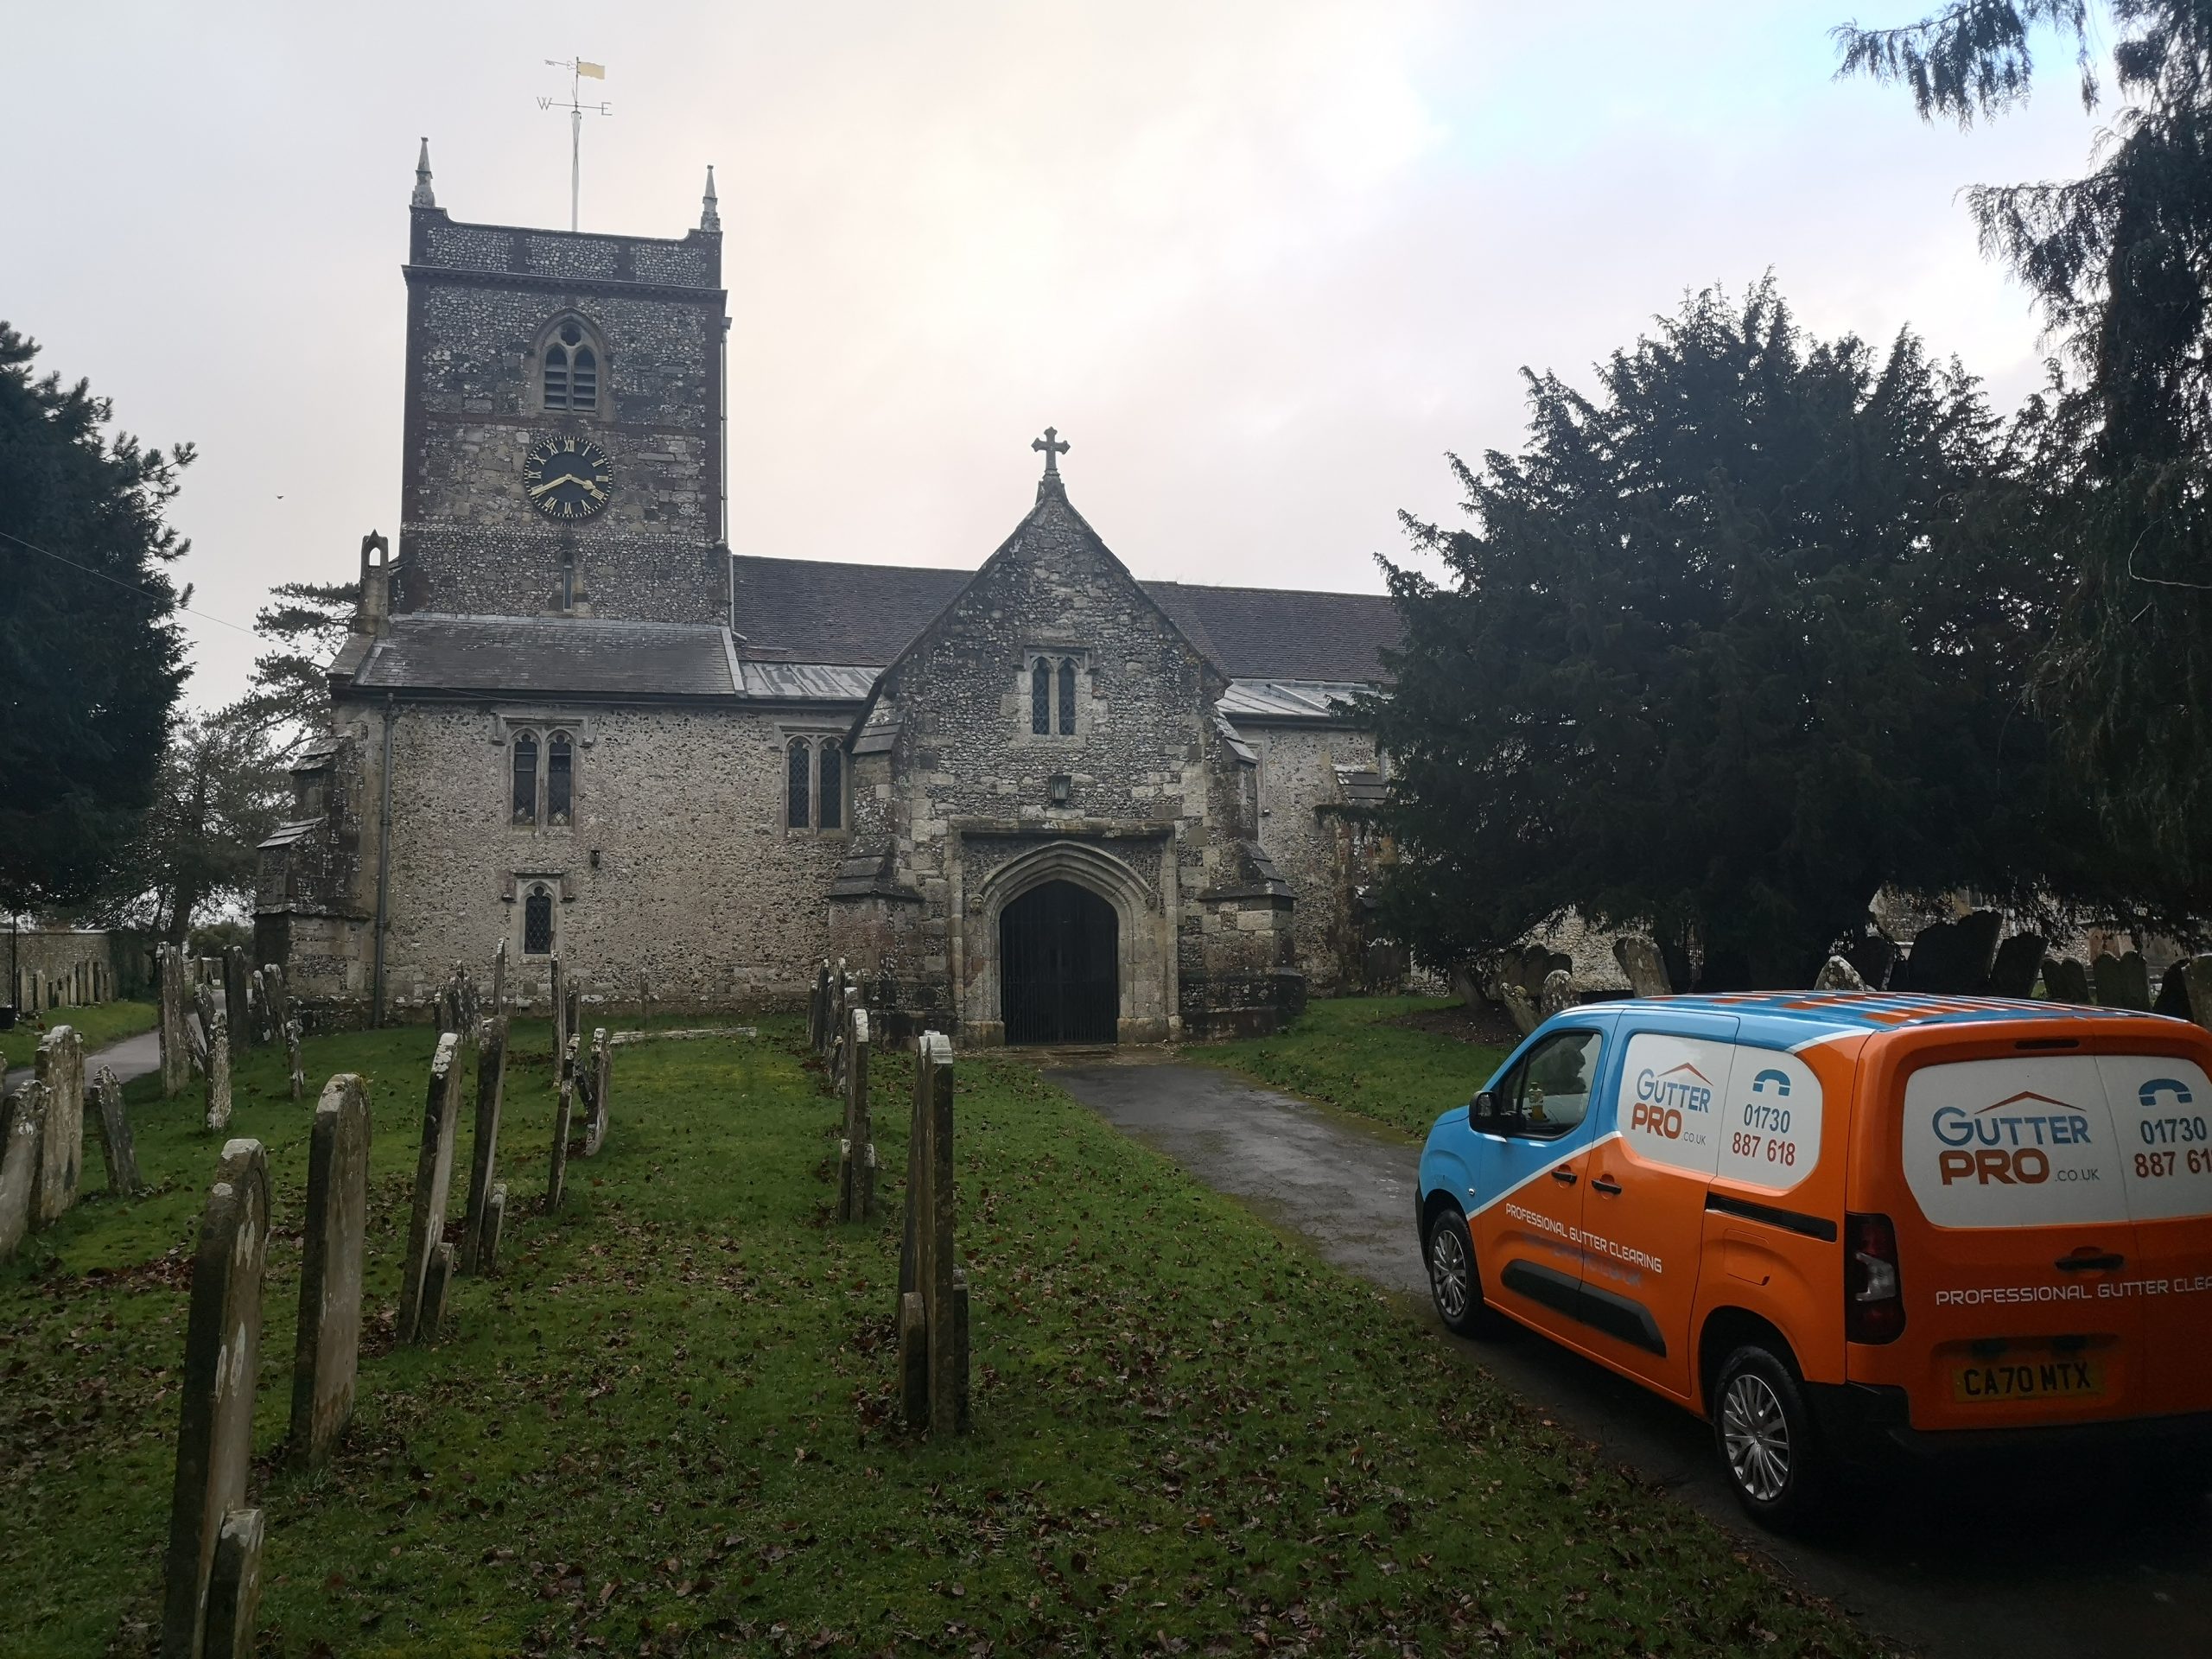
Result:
<point x="2058" y="1139"/>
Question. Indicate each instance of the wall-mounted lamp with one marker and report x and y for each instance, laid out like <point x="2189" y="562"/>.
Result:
<point x="594" y="858"/>
<point x="1063" y="787"/>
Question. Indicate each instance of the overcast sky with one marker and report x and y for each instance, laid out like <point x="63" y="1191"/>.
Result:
<point x="1262" y="262"/>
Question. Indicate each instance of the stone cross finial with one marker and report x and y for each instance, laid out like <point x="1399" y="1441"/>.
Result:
<point x="710" y="217"/>
<point x="1054" y="447"/>
<point x="422" y="198"/>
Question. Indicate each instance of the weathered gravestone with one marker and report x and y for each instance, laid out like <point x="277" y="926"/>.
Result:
<point x="817" y="1004"/>
<point x="176" y="1048"/>
<point x="426" y="1228"/>
<point x="596" y="1083"/>
<point x="856" y="1148"/>
<point x="1874" y="955"/>
<point x="234" y="1585"/>
<point x="2121" y="981"/>
<point x="560" y="1012"/>
<point x="1837" y="974"/>
<point x="2065" y="980"/>
<point x="2196" y="980"/>
<point x="484" y="1152"/>
<point x="60" y="1067"/>
<point x="326" y="1353"/>
<point x="557" y="1177"/>
<point x="2019" y="960"/>
<point x="2172" y="1000"/>
<point x="238" y="996"/>
<point x="437" y="1282"/>
<point x="933" y="1290"/>
<point x="1523" y="1012"/>
<point x="218" y="1073"/>
<point x="1640" y="960"/>
<point x="500" y="980"/>
<point x="295" y="1062"/>
<point x="22" y="1116"/>
<point x="1559" y="994"/>
<point x="214" y="1446"/>
<point x="1954" y="958"/>
<point x="279" y="1002"/>
<point x="488" y="1230"/>
<point x="113" y="1124"/>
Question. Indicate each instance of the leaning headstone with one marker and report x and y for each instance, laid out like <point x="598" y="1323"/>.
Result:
<point x="493" y="1223"/>
<point x="326" y="1351"/>
<point x="1525" y="1018"/>
<point x="234" y="1587"/>
<point x="113" y="1126"/>
<point x="857" y="1148"/>
<point x="1954" y="958"/>
<point x="1559" y="994"/>
<point x="176" y="1049"/>
<point x="24" y="1112"/>
<point x="2122" y="982"/>
<point x="60" y="1067"/>
<point x="2172" y="1000"/>
<point x="601" y="1077"/>
<point x="222" y="1365"/>
<point x="572" y="1018"/>
<point x="2019" y="960"/>
<point x="1640" y="960"/>
<point x="219" y="1074"/>
<point x="484" y="1152"/>
<point x="2196" y="979"/>
<point x="426" y="1228"/>
<point x="274" y="992"/>
<point x="500" y="980"/>
<point x="2065" y="980"/>
<point x="560" y="1014"/>
<point x="556" y="1178"/>
<point x="437" y="1282"/>
<point x="237" y="997"/>
<point x="933" y="1291"/>
<point x="1837" y="974"/>
<point x="293" y="1059"/>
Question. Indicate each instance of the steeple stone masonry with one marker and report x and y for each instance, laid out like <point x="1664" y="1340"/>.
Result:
<point x="561" y="437"/>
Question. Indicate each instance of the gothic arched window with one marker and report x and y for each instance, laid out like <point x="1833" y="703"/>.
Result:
<point x="571" y="368"/>
<point x="560" y="779"/>
<point x="1067" y="696"/>
<point x="537" y="921"/>
<point x="526" y="791"/>
<point x="1040" y="699"/>
<point x="832" y="785"/>
<point x="797" y="782"/>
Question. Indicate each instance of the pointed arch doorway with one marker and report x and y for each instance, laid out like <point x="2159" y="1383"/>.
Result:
<point x="1059" y="949"/>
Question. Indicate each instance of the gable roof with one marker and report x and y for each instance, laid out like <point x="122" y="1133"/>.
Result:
<point x="812" y="611"/>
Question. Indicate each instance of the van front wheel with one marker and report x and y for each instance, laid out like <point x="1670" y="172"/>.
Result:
<point x="1453" y="1283"/>
<point x="1766" y="1438"/>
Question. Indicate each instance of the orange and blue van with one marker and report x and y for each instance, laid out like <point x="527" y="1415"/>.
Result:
<point x="1834" y="1223"/>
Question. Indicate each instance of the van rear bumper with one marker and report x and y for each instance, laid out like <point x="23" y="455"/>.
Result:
<point x="1861" y="1419"/>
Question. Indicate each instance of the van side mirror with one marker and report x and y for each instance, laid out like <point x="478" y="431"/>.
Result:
<point x="1484" y="1105"/>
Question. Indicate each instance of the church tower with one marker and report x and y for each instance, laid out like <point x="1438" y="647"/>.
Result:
<point x="563" y="421"/>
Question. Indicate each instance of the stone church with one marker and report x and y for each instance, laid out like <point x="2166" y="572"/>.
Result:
<point x="1038" y="801"/>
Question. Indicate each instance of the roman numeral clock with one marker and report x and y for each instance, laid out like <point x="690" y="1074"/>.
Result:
<point x="568" y="478"/>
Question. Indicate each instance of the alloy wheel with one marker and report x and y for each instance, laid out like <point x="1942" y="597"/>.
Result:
<point x="1756" y="1435"/>
<point x="1447" y="1269"/>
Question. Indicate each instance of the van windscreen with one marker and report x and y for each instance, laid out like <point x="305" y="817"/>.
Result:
<point x="2058" y="1139"/>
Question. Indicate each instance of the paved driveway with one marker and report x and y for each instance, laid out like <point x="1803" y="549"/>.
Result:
<point x="2023" y="1569"/>
<point x="133" y="1056"/>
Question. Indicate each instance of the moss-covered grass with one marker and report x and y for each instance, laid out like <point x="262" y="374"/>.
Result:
<point x="99" y="1024"/>
<point x="1354" y="1053"/>
<point x="668" y="1426"/>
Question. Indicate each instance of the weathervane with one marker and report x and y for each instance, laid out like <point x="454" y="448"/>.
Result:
<point x="578" y="69"/>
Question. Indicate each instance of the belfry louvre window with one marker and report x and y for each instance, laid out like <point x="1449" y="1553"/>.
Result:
<point x="525" y="789"/>
<point x="560" y="779"/>
<point x="537" y="921"/>
<point x="798" y="782"/>
<point x="571" y="370"/>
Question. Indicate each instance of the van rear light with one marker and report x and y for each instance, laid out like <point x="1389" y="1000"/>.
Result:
<point x="1873" y="1296"/>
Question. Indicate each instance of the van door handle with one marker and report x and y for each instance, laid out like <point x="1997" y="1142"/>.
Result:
<point x="1564" y="1177"/>
<point x="2107" y="1262"/>
<point x="1603" y="1185"/>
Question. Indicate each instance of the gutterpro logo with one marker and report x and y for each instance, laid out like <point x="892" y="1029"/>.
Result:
<point x="2003" y="1141"/>
<point x="1662" y="1097"/>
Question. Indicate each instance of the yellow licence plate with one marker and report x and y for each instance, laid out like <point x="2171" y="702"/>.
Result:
<point x="2030" y="1377"/>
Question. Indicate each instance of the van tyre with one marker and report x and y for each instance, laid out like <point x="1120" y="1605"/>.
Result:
<point x="1453" y="1284"/>
<point x="1768" y="1444"/>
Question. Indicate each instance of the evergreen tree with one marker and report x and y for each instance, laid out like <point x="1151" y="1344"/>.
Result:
<point x="1732" y="646"/>
<point x="2121" y="262"/>
<point x="306" y="623"/>
<point x="90" y="660"/>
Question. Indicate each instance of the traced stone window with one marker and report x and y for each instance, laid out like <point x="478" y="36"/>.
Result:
<point x="796" y="781"/>
<point x="560" y="779"/>
<point x="1067" y="696"/>
<point x="1040" y="698"/>
<point x="537" y="920"/>
<point x="525" y="778"/>
<point x="832" y="769"/>
<point x="571" y="369"/>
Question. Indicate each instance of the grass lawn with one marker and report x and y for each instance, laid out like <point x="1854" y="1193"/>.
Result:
<point x="1349" y="1053"/>
<point x="99" y="1024"/>
<point x="668" y="1426"/>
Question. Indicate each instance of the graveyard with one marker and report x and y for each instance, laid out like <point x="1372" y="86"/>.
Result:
<point x="671" y="1417"/>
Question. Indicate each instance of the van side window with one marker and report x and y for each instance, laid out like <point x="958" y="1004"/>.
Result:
<point x="1548" y="1093"/>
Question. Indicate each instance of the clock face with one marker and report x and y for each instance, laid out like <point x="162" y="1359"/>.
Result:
<point x="568" y="478"/>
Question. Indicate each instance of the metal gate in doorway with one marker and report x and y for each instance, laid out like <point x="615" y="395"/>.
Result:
<point x="1059" y="947"/>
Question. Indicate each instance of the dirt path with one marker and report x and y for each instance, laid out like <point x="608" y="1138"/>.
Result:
<point x="2026" y="1567"/>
